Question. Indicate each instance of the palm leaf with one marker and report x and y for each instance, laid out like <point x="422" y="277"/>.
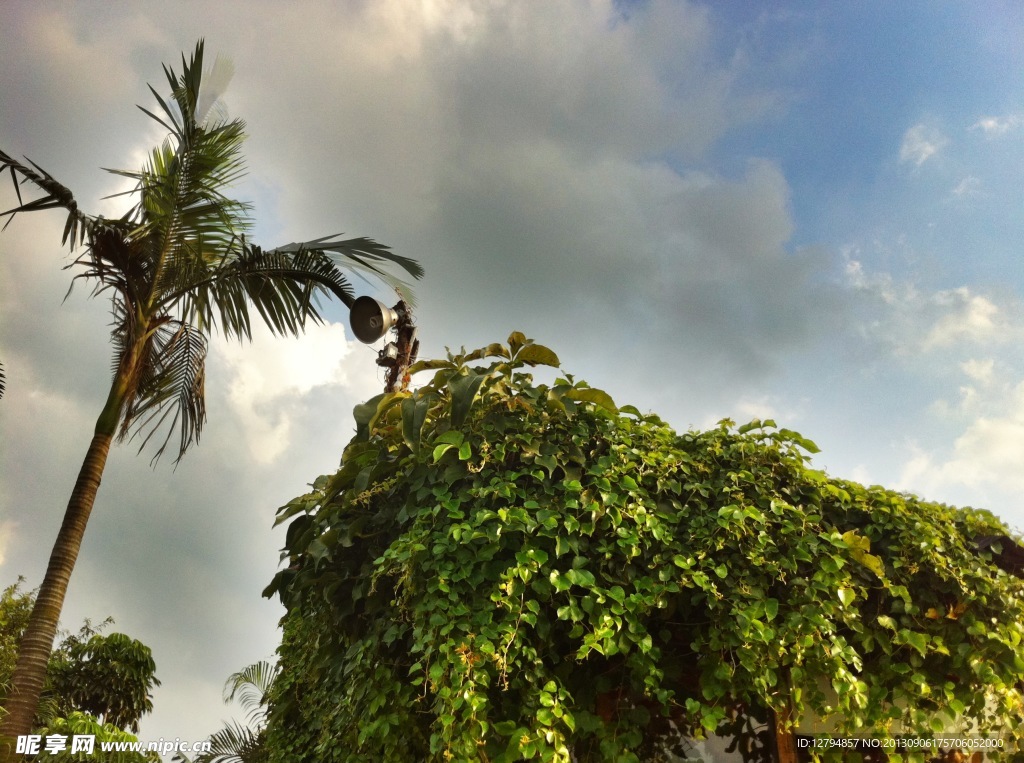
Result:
<point x="365" y="256"/>
<point x="284" y="288"/>
<point x="232" y="744"/>
<point x="250" y="686"/>
<point x="170" y="388"/>
<point x="55" y="196"/>
<point x="235" y="743"/>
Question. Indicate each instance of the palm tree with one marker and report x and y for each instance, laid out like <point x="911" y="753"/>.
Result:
<point x="237" y="743"/>
<point x="177" y="267"/>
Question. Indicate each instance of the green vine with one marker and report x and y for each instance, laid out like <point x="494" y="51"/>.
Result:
<point x="502" y="570"/>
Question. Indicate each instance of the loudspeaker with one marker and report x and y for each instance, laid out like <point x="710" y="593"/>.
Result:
<point x="371" y="319"/>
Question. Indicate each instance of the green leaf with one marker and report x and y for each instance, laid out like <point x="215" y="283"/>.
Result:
<point x="414" y="414"/>
<point x="364" y="413"/>
<point x="856" y="541"/>
<point x="516" y="340"/>
<point x="918" y="641"/>
<point x="429" y="365"/>
<point x="452" y="437"/>
<point x="440" y="450"/>
<point x="591" y="395"/>
<point x="859" y="548"/>
<point x="800" y="440"/>
<point x="583" y="578"/>
<point x="463" y="391"/>
<point x="559" y="581"/>
<point x="846" y="596"/>
<point x="537" y="355"/>
<point x="873" y="563"/>
<point x="570" y="721"/>
<point x="496" y="350"/>
<point x="490" y="351"/>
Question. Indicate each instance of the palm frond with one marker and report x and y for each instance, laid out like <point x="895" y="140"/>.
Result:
<point x="113" y="263"/>
<point x="168" y="388"/>
<point x="235" y="743"/>
<point x="182" y="213"/>
<point x="250" y="686"/>
<point x="56" y="196"/>
<point x="364" y="256"/>
<point x="284" y="287"/>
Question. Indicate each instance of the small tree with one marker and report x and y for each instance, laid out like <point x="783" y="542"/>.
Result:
<point x="95" y="684"/>
<point x="110" y="677"/>
<point x="502" y="570"/>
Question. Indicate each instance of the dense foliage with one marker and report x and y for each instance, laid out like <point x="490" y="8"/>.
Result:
<point x="502" y="570"/>
<point x="95" y="683"/>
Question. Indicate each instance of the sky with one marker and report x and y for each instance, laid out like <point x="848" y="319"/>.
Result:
<point x="804" y="211"/>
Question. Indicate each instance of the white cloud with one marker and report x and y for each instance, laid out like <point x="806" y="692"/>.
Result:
<point x="920" y="143"/>
<point x="965" y="316"/>
<point x="910" y="321"/>
<point x="878" y="284"/>
<point x="987" y="454"/>
<point x="933" y="333"/>
<point x="969" y="186"/>
<point x="268" y="382"/>
<point x="860" y="473"/>
<point x="978" y="370"/>
<point x="766" y="406"/>
<point x="756" y="408"/>
<point x="996" y="126"/>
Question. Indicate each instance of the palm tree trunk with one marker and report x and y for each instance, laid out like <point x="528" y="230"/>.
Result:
<point x="37" y="641"/>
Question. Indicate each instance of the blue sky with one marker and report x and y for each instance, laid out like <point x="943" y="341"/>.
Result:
<point x="805" y="211"/>
<point x="857" y="77"/>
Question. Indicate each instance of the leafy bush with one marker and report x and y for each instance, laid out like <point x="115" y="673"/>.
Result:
<point x="502" y="570"/>
<point x="95" y="684"/>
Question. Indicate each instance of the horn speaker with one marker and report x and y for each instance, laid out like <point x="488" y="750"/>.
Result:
<point x="371" y="319"/>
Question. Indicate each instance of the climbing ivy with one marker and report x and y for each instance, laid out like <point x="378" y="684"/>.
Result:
<point x="504" y="570"/>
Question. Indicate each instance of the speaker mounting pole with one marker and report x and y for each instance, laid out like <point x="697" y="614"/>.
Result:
<point x="398" y="356"/>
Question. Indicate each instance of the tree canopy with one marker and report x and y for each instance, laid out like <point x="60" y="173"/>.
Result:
<point x="96" y="683"/>
<point x="504" y="570"/>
